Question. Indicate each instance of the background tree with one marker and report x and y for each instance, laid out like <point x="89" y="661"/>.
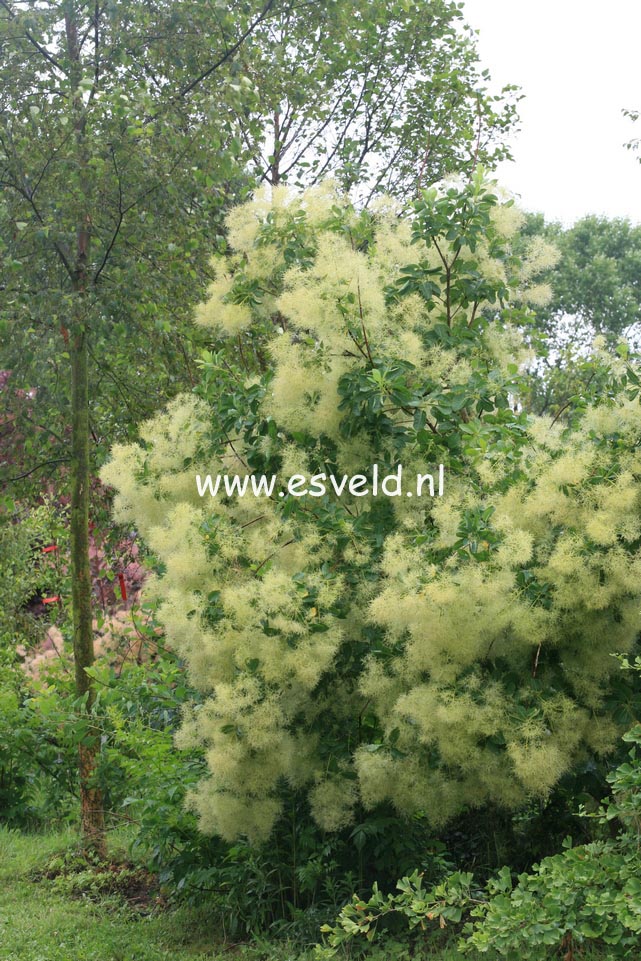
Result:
<point x="385" y="95"/>
<point x="596" y="291"/>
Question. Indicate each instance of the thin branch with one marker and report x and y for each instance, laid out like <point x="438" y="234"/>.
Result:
<point x="26" y="194"/>
<point x="566" y="405"/>
<point x="360" y="311"/>
<point x="421" y="171"/>
<point x="228" y="55"/>
<point x="254" y="521"/>
<point x="119" y="220"/>
<point x="47" y="430"/>
<point x="32" y="40"/>
<point x="57" y="460"/>
<point x="273" y="554"/>
<point x="535" y="663"/>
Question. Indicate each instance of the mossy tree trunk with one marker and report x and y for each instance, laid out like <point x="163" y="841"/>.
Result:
<point x="91" y="800"/>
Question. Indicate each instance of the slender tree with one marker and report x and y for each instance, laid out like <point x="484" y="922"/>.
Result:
<point x="102" y="110"/>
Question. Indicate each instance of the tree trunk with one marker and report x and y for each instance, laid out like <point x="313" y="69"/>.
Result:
<point x="91" y="806"/>
<point x="91" y="802"/>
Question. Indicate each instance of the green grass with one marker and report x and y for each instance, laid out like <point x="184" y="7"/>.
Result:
<point x="40" y="922"/>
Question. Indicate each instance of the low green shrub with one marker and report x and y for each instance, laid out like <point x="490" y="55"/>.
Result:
<point x="38" y="755"/>
<point x="418" y="913"/>
<point x="590" y="893"/>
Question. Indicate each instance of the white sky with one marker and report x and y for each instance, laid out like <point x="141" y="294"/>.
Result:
<point x="579" y="64"/>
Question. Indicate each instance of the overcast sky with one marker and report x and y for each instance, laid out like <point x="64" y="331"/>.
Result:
<point x="579" y="64"/>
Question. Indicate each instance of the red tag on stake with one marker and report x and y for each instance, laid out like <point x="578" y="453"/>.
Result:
<point x="47" y="550"/>
<point x="50" y="600"/>
<point x="123" y="588"/>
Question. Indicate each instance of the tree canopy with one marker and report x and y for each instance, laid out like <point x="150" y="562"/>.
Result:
<point x="135" y="123"/>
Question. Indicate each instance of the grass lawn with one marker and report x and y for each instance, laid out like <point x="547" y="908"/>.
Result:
<point x="40" y="923"/>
